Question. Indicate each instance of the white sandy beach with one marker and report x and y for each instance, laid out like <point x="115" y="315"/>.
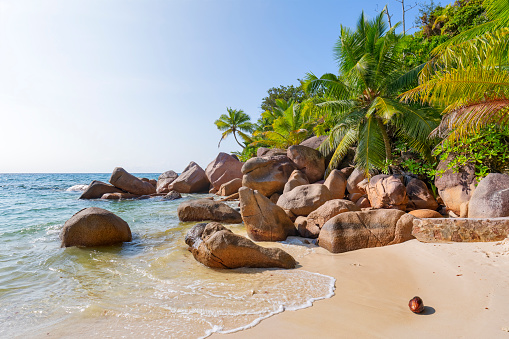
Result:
<point x="465" y="287"/>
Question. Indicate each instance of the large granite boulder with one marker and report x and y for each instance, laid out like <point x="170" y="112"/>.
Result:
<point x="455" y="189"/>
<point x="373" y="228"/>
<point x="461" y="229"/>
<point x="267" y="152"/>
<point x="164" y="180"/>
<point x="206" y="209"/>
<point x="353" y="180"/>
<point x="336" y="183"/>
<point x="419" y="196"/>
<point x="267" y="175"/>
<point x="94" y="226"/>
<point x="297" y="178"/>
<point x="329" y="210"/>
<point x="230" y="187"/>
<point x="223" y="169"/>
<point x="97" y="189"/>
<point x="191" y="180"/>
<point x="264" y="220"/>
<point x="314" y="142"/>
<point x="120" y="178"/>
<point x="216" y="246"/>
<point x="387" y="191"/>
<point x="308" y="160"/>
<point x="304" y="199"/>
<point x="491" y="197"/>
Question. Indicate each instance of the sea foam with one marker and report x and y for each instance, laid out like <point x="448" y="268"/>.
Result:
<point x="77" y="188"/>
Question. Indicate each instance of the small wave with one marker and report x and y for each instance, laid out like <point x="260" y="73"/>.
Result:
<point x="77" y="188"/>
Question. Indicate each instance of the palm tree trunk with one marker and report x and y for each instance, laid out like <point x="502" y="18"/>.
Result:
<point x="387" y="141"/>
<point x="235" y="136"/>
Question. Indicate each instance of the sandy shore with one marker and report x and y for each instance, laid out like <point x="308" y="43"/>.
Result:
<point x="465" y="287"/>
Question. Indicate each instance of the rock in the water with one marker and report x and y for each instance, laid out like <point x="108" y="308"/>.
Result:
<point x="172" y="195"/>
<point x="297" y="178"/>
<point x="329" y="210"/>
<point x="455" y="188"/>
<point x="425" y="213"/>
<point x="192" y="180"/>
<point x="216" y="246"/>
<point x="119" y="196"/>
<point x="353" y="180"/>
<point x="306" y="230"/>
<point x="419" y="196"/>
<point x="386" y="191"/>
<point x="164" y="180"/>
<point x="205" y="209"/>
<point x="267" y="175"/>
<point x="94" y="226"/>
<point x="309" y="161"/>
<point x="97" y="189"/>
<point x="491" y="197"/>
<point x="336" y="183"/>
<point x="461" y="229"/>
<point x="120" y="178"/>
<point x="314" y="142"/>
<point x="374" y="228"/>
<point x="230" y="187"/>
<point x="264" y="220"/>
<point x="223" y="169"/>
<point x="304" y="199"/>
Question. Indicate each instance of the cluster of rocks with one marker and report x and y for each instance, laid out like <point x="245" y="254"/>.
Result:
<point x="284" y="193"/>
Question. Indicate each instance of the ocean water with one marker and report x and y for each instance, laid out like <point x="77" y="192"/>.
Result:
<point x="150" y="287"/>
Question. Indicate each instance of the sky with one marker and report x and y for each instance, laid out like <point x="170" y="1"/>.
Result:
<point x="89" y="85"/>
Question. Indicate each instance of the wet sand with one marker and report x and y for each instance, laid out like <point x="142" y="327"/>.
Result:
<point x="465" y="287"/>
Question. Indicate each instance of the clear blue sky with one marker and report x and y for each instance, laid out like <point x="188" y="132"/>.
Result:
<point x="87" y="85"/>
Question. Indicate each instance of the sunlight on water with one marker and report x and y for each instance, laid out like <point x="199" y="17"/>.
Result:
<point x="151" y="287"/>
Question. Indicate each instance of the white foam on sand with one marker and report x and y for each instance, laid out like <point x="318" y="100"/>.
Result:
<point x="77" y="188"/>
<point x="282" y="308"/>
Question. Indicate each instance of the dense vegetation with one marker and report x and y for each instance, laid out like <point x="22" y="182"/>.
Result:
<point x="403" y="102"/>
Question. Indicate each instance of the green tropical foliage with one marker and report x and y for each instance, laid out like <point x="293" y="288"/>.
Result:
<point x="469" y="79"/>
<point x="235" y="122"/>
<point x="288" y="126"/>
<point x="488" y="150"/>
<point x="362" y="100"/>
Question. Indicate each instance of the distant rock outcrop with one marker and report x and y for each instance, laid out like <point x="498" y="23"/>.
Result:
<point x="120" y="178"/>
<point x="192" y="180"/>
<point x="164" y="180"/>
<point x="97" y="189"/>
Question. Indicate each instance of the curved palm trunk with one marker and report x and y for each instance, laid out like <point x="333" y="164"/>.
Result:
<point x="387" y="141"/>
<point x="235" y="136"/>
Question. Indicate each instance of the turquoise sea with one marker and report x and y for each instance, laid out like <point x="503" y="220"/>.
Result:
<point x="150" y="287"/>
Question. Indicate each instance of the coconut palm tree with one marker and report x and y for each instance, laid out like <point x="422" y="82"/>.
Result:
<point x="235" y="122"/>
<point x="362" y="100"/>
<point x="468" y="77"/>
<point x="288" y="126"/>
